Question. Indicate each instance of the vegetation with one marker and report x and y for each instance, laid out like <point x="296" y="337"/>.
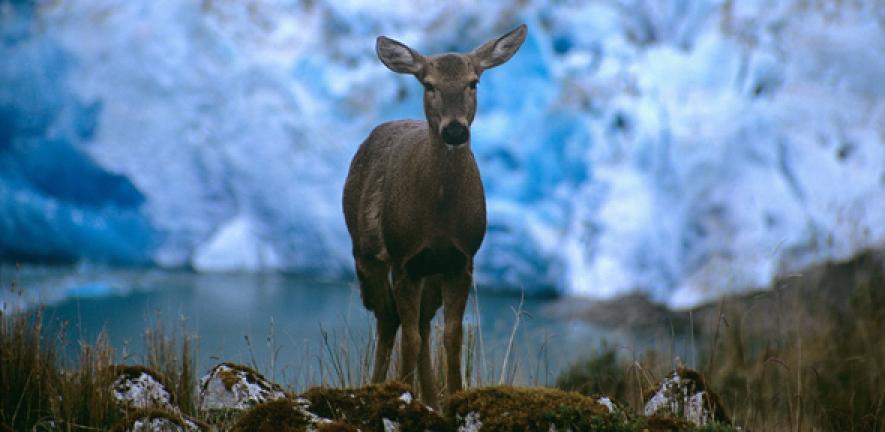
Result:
<point x="522" y="408"/>
<point x="807" y="354"/>
<point x="281" y="415"/>
<point x="367" y="406"/>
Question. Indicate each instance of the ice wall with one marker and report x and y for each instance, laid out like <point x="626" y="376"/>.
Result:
<point x="681" y="148"/>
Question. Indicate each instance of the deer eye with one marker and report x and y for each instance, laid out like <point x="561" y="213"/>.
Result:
<point x="473" y="84"/>
<point x="428" y="87"/>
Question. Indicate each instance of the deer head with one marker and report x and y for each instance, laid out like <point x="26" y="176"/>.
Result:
<point x="449" y="80"/>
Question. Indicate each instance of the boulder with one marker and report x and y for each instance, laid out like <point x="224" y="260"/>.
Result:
<point x="684" y="395"/>
<point x="233" y="386"/>
<point x="158" y="420"/>
<point x="137" y="387"/>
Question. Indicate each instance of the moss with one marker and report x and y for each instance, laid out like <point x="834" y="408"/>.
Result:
<point x="230" y="377"/>
<point x="337" y="426"/>
<point x="366" y="407"/>
<point x="281" y="415"/>
<point x="505" y="408"/>
<point x="658" y="423"/>
<point x="155" y="413"/>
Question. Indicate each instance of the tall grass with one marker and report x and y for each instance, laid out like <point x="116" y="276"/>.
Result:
<point x="41" y="389"/>
<point x="38" y="391"/>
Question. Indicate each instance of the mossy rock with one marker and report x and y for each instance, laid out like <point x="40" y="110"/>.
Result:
<point x="506" y="408"/>
<point x="156" y="420"/>
<point x="282" y="415"/>
<point x="368" y="407"/>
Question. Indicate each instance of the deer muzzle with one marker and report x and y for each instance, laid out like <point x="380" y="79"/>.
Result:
<point x="455" y="133"/>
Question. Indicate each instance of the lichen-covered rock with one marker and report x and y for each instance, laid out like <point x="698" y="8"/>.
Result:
<point x="136" y="387"/>
<point x="519" y="408"/>
<point x="469" y="422"/>
<point x="233" y="386"/>
<point x="158" y="420"/>
<point x="376" y="407"/>
<point x="609" y="403"/>
<point x="684" y="395"/>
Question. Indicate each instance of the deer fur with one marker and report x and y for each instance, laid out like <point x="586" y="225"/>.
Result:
<point x="415" y="209"/>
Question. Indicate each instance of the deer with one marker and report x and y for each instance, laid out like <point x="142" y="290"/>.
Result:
<point x="415" y="209"/>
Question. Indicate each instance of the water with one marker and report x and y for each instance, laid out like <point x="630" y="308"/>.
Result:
<point x="291" y="328"/>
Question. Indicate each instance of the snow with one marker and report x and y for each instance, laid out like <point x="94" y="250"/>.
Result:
<point x="682" y="148"/>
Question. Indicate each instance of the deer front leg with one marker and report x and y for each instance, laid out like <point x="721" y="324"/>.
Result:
<point x="455" y="290"/>
<point x="387" y="324"/>
<point x="407" y="295"/>
<point x="430" y="302"/>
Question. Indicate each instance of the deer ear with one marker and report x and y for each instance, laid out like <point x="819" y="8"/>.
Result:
<point x="497" y="51"/>
<point x="398" y="57"/>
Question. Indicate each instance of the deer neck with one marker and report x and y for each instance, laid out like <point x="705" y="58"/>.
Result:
<point x="449" y="167"/>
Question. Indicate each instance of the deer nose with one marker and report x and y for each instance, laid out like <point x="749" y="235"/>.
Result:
<point x="455" y="133"/>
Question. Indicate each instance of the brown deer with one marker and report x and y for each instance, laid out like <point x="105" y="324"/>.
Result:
<point x="415" y="209"/>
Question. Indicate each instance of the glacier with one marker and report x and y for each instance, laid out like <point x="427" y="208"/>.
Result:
<point x="681" y="148"/>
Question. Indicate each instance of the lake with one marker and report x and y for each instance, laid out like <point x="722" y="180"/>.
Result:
<point x="293" y="329"/>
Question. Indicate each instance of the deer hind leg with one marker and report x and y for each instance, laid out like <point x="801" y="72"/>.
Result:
<point x="377" y="298"/>
<point x="455" y="290"/>
<point x="430" y="302"/>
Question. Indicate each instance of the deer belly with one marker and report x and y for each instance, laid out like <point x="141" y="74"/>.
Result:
<point x="441" y="258"/>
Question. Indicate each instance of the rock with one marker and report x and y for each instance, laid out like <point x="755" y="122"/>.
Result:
<point x="233" y="386"/>
<point x="684" y="395"/>
<point x="520" y="408"/>
<point x="608" y="403"/>
<point x="385" y="407"/>
<point x="136" y="387"/>
<point x="469" y="423"/>
<point x="158" y="420"/>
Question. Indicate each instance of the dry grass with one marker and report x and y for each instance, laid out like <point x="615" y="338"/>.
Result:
<point x="38" y="391"/>
<point x="42" y="390"/>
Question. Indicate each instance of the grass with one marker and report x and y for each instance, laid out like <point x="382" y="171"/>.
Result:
<point x="806" y="355"/>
